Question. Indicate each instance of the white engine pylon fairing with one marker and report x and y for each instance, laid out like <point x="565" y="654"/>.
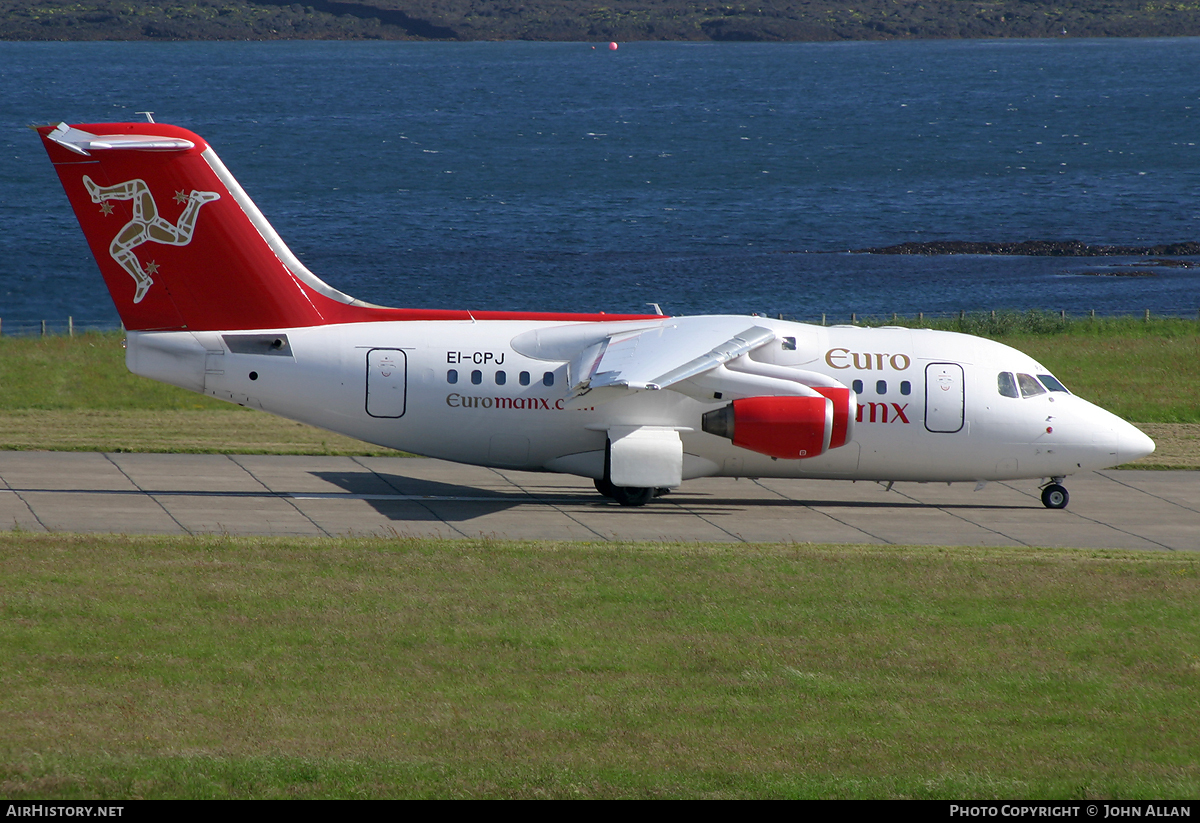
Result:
<point x="214" y="301"/>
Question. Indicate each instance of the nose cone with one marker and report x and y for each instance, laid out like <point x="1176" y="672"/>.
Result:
<point x="1132" y="444"/>
<point x="1107" y="439"/>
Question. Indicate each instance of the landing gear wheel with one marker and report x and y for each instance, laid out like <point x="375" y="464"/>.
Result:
<point x="1055" y="496"/>
<point x="626" y="496"/>
<point x="633" y="496"/>
<point x="606" y="488"/>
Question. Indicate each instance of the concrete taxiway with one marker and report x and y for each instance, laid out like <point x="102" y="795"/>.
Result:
<point x="320" y="496"/>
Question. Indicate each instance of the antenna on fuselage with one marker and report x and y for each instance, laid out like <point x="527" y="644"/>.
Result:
<point x="657" y="309"/>
<point x="149" y="115"/>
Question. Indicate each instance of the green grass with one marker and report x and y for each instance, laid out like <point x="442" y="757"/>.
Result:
<point x="76" y="394"/>
<point x="1144" y="371"/>
<point x="86" y="371"/>
<point x="220" y="667"/>
<point x="1000" y="325"/>
<point x="1142" y="379"/>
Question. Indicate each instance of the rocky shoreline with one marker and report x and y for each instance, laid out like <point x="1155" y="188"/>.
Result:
<point x="618" y="20"/>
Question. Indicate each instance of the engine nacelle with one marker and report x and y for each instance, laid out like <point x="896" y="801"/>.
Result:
<point x="789" y="427"/>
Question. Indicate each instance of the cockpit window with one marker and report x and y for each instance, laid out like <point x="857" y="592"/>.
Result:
<point x="1050" y="382"/>
<point x="1006" y="385"/>
<point x="1029" y="386"/>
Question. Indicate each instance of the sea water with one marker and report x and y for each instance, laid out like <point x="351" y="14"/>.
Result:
<point x="707" y="178"/>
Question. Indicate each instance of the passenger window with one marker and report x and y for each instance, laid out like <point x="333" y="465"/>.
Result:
<point x="857" y="386"/>
<point x="501" y="378"/>
<point x="1029" y="386"/>
<point x="524" y="378"/>
<point x="1050" y="382"/>
<point x="548" y="379"/>
<point x="1006" y="385"/>
<point x="881" y="387"/>
<point x="905" y="388"/>
<point x="477" y="377"/>
<point x="452" y="376"/>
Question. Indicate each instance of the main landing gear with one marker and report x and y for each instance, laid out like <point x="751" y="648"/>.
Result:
<point x="1054" y="495"/>
<point x="627" y="496"/>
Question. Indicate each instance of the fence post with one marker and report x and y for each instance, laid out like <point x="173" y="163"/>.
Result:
<point x="1147" y="315"/>
<point x="70" y="326"/>
<point x="43" y="328"/>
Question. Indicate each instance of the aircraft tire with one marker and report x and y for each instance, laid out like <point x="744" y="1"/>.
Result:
<point x="633" y="495"/>
<point x="1055" y="496"/>
<point x="606" y="488"/>
<point x="627" y="496"/>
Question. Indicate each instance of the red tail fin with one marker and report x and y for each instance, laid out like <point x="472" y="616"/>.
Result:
<point x="181" y="245"/>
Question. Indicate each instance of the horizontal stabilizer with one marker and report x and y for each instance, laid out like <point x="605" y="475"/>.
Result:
<point x="84" y="142"/>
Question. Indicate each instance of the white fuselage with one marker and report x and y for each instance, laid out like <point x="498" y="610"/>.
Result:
<point x="494" y="393"/>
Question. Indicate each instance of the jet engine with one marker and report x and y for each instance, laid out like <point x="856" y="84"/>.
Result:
<point x="790" y="427"/>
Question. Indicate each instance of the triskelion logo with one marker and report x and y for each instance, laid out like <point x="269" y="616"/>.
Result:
<point x="146" y="225"/>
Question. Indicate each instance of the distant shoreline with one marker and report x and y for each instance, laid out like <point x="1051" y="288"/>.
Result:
<point x="558" y="20"/>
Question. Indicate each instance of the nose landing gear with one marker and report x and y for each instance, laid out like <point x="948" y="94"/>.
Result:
<point x="1054" y="495"/>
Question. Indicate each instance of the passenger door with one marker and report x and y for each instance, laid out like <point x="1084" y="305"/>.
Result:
<point x="387" y="378"/>
<point x="944" y="397"/>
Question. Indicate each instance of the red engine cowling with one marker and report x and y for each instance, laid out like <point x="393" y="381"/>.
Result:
<point x="788" y="427"/>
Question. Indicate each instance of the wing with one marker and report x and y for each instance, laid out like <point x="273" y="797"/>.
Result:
<point x="702" y="357"/>
<point x="658" y="358"/>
